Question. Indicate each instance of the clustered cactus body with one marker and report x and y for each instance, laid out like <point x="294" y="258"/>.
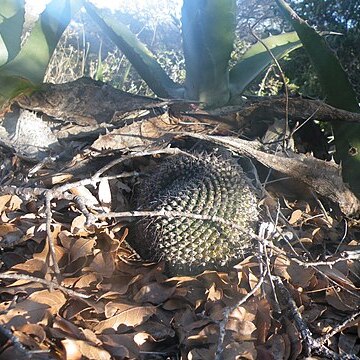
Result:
<point x="202" y="184"/>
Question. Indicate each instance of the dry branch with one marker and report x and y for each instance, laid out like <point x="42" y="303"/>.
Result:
<point x="50" y="284"/>
<point x="322" y="176"/>
<point x="16" y="342"/>
<point x="312" y="345"/>
<point x="99" y="102"/>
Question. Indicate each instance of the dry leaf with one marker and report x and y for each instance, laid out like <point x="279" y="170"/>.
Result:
<point x="81" y="247"/>
<point x="54" y="299"/>
<point x="242" y="350"/>
<point x="336" y="275"/>
<point x="295" y="216"/>
<point x="37" y="331"/>
<point x="26" y="311"/>
<point x="33" y="266"/>
<point x="154" y="293"/>
<point x="7" y="228"/>
<point x="129" y="315"/>
<point x="78" y="226"/>
<point x="281" y="265"/>
<point x="242" y="330"/>
<point x="15" y="203"/>
<point x="348" y="344"/>
<point x="86" y="194"/>
<point x="341" y="299"/>
<point x="75" y="349"/>
<point x="4" y="199"/>
<point x="58" y="178"/>
<point x="102" y="264"/>
<point x="121" y="345"/>
<point x="214" y="294"/>
<point x="300" y="275"/>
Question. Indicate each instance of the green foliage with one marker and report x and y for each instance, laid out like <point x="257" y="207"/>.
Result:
<point x="338" y="91"/>
<point x="137" y="53"/>
<point x="208" y="32"/>
<point x="332" y="15"/>
<point x="256" y="59"/>
<point x="12" y="14"/>
<point x="325" y="62"/>
<point x="99" y="75"/>
<point x="208" y="37"/>
<point x="27" y="68"/>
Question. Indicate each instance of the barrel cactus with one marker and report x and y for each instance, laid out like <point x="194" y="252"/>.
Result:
<point x="212" y="186"/>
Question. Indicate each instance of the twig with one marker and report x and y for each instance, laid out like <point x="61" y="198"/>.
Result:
<point x="296" y="128"/>
<point x="60" y="191"/>
<point x="263" y="81"/>
<point x="229" y="310"/>
<point x="170" y="151"/>
<point x="338" y="328"/>
<point x="312" y="345"/>
<point x="15" y="341"/>
<point x="169" y="215"/>
<point x="265" y="232"/>
<point x="83" y="207"/>
<point x="343" y="237"/>
<point x="49" y="284"/>
<point x="322" y="208"/>
<point x="276" y="62"/>
<point x="48" y="198"/>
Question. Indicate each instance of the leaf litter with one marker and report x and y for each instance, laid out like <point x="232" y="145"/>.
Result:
<point x="297" y="295"/>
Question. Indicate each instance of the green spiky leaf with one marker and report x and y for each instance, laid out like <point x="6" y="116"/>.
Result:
<point x="12" y="13"/>
<point x="338" y="91"/>
<point x="137" y="53"/>
<point x="256" y="59"/>
<point x="27" y="69"/>
<point x="334" y="81"/>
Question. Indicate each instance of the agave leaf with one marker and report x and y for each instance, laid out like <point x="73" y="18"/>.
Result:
<point x="137" y="53"/>
<point x="30" y="64"/>
<point x="338" y="91"/>
<point x="208" y="31"/>
<point x="256" y="59"/>
<point x="34" y="56"/>
<point x="99" y="74"/>
<point x="326" y="64"/>
<point x="12" y="14"/>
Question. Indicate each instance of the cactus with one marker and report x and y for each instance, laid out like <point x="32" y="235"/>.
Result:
<point x="202" y="184"/>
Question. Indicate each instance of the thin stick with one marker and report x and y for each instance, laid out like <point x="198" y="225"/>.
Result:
<point x="312" y="345"/>
<point x="169" y="215"/>
<point x="49" y="284"/>
<point x="276" y="62"/>
<point x="229" y="310"/>
<point x="339" y="328"/>
<point x="170" y="151"/>
<point x="15" y="341"/>
<point x="48" y="198"/>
